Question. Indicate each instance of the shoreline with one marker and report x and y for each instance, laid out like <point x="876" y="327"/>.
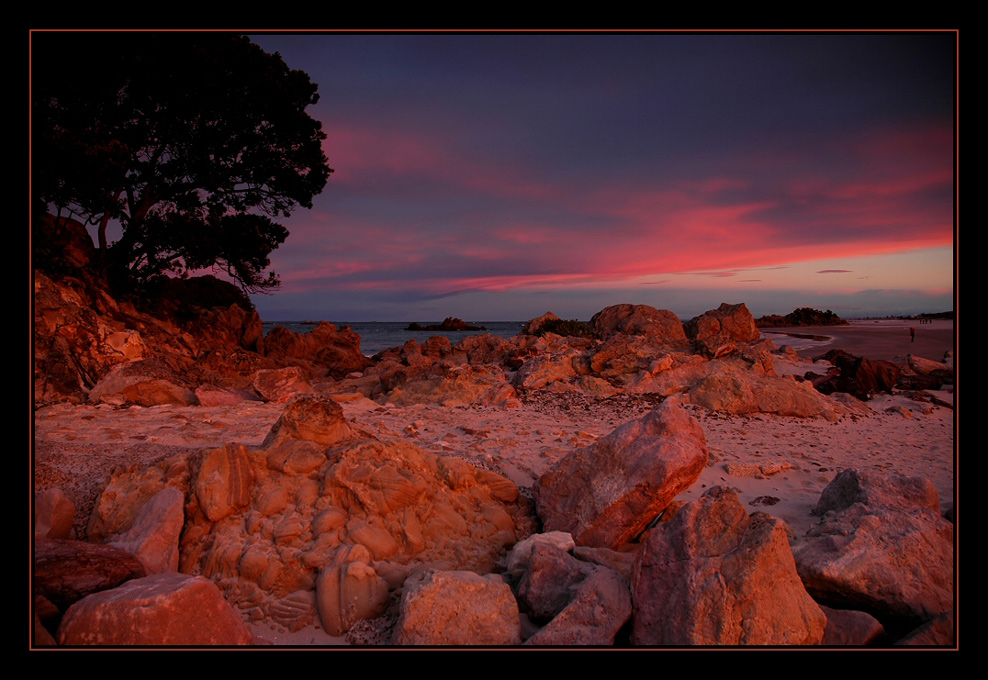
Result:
<point x="878" y="339"/>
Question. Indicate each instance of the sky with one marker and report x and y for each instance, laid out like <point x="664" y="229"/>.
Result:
<point x="499" y="176"/>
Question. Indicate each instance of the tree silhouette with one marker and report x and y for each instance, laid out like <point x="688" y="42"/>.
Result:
<point x="193" y="143"/>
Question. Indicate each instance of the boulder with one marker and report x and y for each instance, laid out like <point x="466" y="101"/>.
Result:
<point x="858" y="376"/>
<point x="144" y="382"/>
<point x="282" y="384"/>
<point x="851" y="628"/>
<point x="580" y="603"/>
<point x="607" y="493"/>
<point x="153" y="537"/>
<point x="722" y="327"/>
<point x="348" y="590"/>
<point x="457" y="608"/>
<point x="66" y="571"/>
<point x="881" y="546"/>
<point x="54" y="514"/>
<point x="659" y="325"/>
<point x="532" y="326"/>
<point x="715" y="575"/>
<point x="163" y="609"/>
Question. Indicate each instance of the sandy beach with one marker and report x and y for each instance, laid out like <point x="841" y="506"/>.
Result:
<point x="778" y="464"/>
<point x="879" y="339"/>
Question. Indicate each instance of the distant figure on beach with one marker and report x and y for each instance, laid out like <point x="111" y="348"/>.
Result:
<point x="912" y="335"/>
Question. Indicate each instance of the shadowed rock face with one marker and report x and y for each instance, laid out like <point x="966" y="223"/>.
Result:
<point x="607" y="493"/>
<point x="715" y="575"/>
<point x="881" y="546"/>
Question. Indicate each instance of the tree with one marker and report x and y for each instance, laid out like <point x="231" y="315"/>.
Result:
<point x="193" y="143"/>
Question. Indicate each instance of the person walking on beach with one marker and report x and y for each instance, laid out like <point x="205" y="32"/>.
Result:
<point x="912" y="335"/>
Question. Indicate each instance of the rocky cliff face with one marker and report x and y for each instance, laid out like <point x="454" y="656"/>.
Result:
<point x="88" y="346"/>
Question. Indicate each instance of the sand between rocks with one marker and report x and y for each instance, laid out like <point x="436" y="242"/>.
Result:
<point x="778" y="464"/>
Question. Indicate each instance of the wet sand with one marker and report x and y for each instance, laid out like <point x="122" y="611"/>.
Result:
<point x="877" y="339"/>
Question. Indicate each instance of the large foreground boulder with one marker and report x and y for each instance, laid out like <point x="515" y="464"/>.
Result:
<point x="607" y="493"/>
<point x="164" y="609"/>
<point x="715" y="575"/>
<point x="322" y="519"/>
<point x="881" y="547"/>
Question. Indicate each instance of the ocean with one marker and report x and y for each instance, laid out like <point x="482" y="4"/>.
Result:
<point x="377" y="336"/>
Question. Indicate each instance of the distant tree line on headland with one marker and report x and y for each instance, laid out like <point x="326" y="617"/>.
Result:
<point x="804" y="316"/>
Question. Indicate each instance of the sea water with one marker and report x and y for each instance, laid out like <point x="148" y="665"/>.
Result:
<point x="377" y="336"/>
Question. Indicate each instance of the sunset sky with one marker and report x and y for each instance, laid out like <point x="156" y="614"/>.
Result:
<point x="499" y="176"/>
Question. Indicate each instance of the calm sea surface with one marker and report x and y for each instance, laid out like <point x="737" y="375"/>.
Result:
<point x="377" y="336"/>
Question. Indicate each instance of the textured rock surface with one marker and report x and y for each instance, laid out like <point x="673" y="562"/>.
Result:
<point x="607" y="493"/>
<point x="164" y="609"/>
<point x="457" y="608"/>
<point x="882" y="547"/>
<point x="714" y="575"/>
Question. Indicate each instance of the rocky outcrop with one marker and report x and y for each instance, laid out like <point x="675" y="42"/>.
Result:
<point x="715" y="575"/>
<point x="325" y="350"/>
<point x="164" y="609"/>
<point x="448" y="324"/>
<point x="607" y="493"/>
<point x="322" y="519"/>
<point x="881" y="547"/>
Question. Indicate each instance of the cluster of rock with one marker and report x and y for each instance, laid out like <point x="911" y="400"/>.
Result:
<point x="450" y="323"/>
<point x="386" y="543"/>
<point x="716" y="360"/>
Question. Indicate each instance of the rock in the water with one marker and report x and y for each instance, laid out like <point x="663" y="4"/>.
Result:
<point x="163" y="609"/>
<point x="714" y="575"/>
<point x="457" y="608"/>
<point x="607" y="493"/>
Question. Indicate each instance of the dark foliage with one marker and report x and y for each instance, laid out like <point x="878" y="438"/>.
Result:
<point x="193" y="143"/>
<point x="804" y="316"/>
